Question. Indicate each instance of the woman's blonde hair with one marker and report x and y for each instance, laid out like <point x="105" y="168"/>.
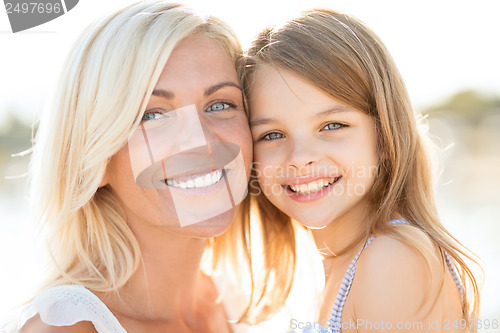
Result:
<point x="345" y="59"/>
<point x="103" y="91"/>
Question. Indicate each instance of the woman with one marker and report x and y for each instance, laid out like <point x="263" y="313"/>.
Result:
<point x="143" y="157"/>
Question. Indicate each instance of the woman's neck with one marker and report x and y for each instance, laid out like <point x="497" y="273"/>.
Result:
<point x="167" y="284"/>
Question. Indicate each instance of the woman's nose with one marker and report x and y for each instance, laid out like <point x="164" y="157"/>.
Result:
<point x="191" y="131"/>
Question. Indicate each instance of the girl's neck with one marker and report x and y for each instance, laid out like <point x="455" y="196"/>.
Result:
<point x="340" y="240"/>
<point x="335" y="238"/>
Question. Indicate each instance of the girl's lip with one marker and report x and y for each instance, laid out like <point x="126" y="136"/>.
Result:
<point x="308" y="197"/>
<point x="307" y="179"/>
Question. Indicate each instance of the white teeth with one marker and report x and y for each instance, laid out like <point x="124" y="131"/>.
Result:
<point x="200" y="181"/>
<point x="313" y="186"/>
<point x="215" y="176"/>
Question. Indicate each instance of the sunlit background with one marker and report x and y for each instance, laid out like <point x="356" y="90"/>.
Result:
<point x="447" y="51"/>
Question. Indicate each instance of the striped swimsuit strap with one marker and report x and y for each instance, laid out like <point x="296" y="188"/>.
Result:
<point x="335" y="320"/>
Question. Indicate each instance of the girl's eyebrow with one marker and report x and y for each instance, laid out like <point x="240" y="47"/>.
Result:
<point x="263" y="121"/>
<point x="332" y="110"/>
<point x="329" y="111"/>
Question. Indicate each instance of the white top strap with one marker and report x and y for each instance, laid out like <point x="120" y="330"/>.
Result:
<point x="68" y="304"/>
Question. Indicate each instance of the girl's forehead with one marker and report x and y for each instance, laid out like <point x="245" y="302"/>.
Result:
<point x="281" y="87"/>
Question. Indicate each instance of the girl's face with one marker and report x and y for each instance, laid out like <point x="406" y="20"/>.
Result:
<point x="195" y="112"/>
<point x="315" y="157"/>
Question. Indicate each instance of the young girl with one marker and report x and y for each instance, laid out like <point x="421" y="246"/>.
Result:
<point x="336" y="147"/>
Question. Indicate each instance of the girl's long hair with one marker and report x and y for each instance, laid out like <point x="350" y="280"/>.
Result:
<point x="346" y="60"/>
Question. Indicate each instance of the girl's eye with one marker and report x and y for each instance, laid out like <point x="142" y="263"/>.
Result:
<point x="273" y="136"/>
<point x="333" y="126"/>
<point x="220" y="106"/>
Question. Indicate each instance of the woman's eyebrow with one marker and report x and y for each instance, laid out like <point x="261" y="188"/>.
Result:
<point x="163" y="94"/>
<point x="218" y="86"/>
<point x="209" y="91"/>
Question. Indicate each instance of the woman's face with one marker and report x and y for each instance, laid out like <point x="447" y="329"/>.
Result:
<point x="186" y="168"/>
<point x="315" y="157"/>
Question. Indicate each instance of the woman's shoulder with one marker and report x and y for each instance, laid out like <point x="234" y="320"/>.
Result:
<point x="37" y="325"/>
<point x="68" y="308"/>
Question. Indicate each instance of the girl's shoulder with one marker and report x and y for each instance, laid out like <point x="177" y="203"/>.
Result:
<point x="407" y="258"/>
<point x="402" y="274"/>
<point x="67" y="308"/>
<point x="409" y="239"/>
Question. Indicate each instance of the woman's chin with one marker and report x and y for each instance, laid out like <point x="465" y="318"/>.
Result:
<point x="210" y="227"/>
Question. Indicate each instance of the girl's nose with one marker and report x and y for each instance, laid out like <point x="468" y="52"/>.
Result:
<point x="302" y="154"/>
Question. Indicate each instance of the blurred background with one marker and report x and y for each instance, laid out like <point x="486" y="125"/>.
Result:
<point x="447" y="52"/>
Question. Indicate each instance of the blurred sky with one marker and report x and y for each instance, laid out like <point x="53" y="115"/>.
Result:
<point x="440" y="46"/>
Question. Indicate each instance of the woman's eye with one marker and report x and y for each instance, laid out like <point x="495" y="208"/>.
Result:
<point x="219" y="106"/>
<point x="153" y="115"/>
<point x="333" y="126"/>
<point x="273" y="136"/>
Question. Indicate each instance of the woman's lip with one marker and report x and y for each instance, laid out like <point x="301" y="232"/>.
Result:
<point x="202" y="190"/>
<point x="190" y="175"/>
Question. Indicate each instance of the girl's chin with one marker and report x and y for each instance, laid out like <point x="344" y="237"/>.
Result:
<point x="310" y="218"/>
<point x="314" y="224"/>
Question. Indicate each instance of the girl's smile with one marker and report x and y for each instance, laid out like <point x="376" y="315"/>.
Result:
<point x="302" y="191"/>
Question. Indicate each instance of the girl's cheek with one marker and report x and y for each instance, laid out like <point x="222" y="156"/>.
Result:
<point x="265" y="175"/>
